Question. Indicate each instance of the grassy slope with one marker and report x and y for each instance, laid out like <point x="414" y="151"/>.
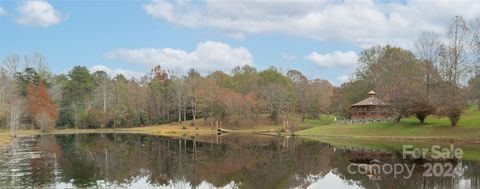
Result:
<point x="434" y="128"/>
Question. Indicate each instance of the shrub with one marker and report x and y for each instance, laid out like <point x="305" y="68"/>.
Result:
<point x="452" y="112"/>
<point x="422" y="109"/>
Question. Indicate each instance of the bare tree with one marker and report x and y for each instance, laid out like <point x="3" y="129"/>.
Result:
<point x="39" y="63"/>
<point x="16" y="108"/>
<point x="179" y="91"/>
<point x="16" y="111"/>
<point x="192" y="82"/>
<point x="428" y="51"/>
<point x="455" y="63"/>
<point x="453" y="67"/>
<point x="475" y="30"/>
<point x="5" y="88"/>
<point x="11" y="65"/>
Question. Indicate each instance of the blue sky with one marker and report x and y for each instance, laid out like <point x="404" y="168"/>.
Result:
<point x="319" y="38"/>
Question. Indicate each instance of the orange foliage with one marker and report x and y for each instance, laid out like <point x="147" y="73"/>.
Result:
<point x="236" y="102"/>
<point x="39" y="101"/>
<point x="159" y="74"/>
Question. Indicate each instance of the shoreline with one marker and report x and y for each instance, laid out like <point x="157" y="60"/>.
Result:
<point x="159" y="130"/>
<point x="383" y="142"/>
<point x="395" y="138"/>
<point x="5" y="136"/>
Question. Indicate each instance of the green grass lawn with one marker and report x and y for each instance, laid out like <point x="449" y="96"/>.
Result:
<point x="409" y="128"/>
<point x="323" y="120"/>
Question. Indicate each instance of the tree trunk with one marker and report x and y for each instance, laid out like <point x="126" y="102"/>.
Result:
<point x="75" y="117"/>
<point x="179" y="115"/>
<point x="397" y="119"/>
<point x="13" y="122"/>
<point x="185" y="113"/>
<point x="478" y="103"/>
<point x="104" y="105"/>
<point x="194" y="110"/>
<point x="454" y="122"/>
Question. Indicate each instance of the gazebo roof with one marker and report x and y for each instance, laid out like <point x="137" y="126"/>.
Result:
<point x="371" y="101"/>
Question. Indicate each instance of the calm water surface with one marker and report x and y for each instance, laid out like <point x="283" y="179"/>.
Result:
<point x="231" y="161"/>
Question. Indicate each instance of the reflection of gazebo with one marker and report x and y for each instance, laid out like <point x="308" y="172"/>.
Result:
<point x="370" y="108"/>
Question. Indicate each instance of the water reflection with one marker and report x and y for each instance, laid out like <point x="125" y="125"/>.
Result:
<point x="232" y="161"/>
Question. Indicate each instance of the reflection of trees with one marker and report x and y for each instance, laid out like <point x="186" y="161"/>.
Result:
<point x="247" y="161"/>
<point x="77" y="165"/>
<point x="273" y="163"/>
<point x="21" y="167"/>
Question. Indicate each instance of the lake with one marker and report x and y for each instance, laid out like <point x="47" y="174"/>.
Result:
<point x="230" y="161"/>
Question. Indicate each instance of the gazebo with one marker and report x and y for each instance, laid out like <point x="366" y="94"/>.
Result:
<point x="371" y="108"/>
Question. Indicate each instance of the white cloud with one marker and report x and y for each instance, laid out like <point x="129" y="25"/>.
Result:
<point x="334" y="59"/>
<point x="208" y="56"/>
<point x="2" y="11"/>
<point x="113" y="72"/>
<point x="361" y="22"/>
<point x="38" y="13"/>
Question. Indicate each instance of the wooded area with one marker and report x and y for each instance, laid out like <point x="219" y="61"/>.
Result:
<point x="437" y="77"/>
<point x="94" y="100"/>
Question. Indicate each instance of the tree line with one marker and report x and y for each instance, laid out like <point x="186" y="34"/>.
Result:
<point x="34" y="97"/>
<point x="441" y="76"/>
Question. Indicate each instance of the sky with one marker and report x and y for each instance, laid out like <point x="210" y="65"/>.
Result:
<point x="320" y="38"/>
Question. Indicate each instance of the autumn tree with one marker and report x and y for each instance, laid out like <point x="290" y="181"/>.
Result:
<point x="319" y="95"/>
<point x="208" y="93"/>
<point x="276" y="93"/>
<point x="393" y="73"/>
<point x="231" y="104"/>
<point x="160" y="107"/>
<point x="41" y="107"/>
<point x="300" y="86"/>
